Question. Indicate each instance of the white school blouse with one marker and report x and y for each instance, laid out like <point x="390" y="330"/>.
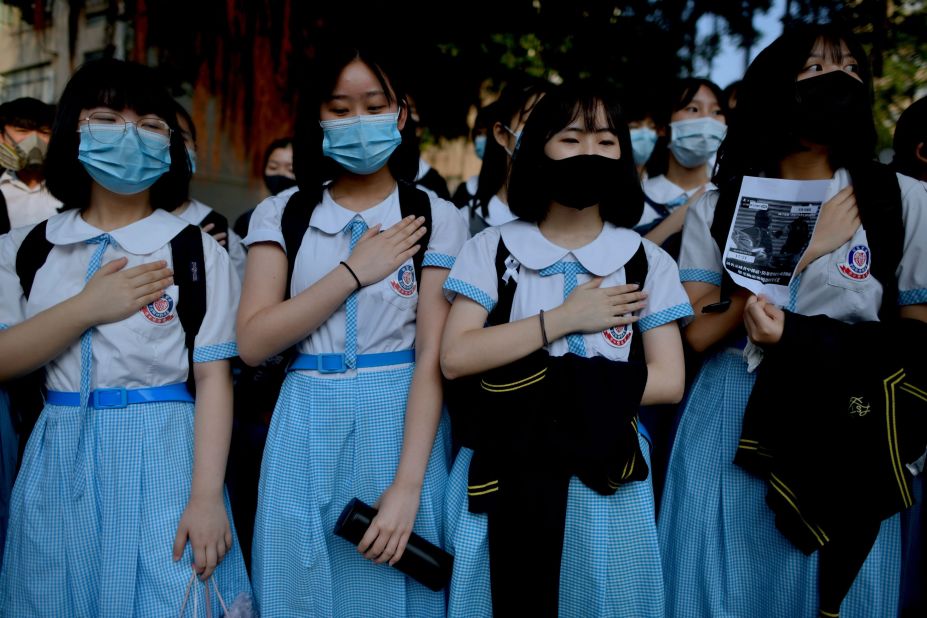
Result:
<point x="474" y="276"/>
<point x="145" y="349"/>
<point x="386" y="310"/>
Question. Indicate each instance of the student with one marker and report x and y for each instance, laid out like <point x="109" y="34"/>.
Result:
<point x="196" y="212"/>
<point x="577" y="312"/>
<point x="803" y="114"/>
<point x="119" y="472"/>
<point x="466" y="191"/>
<point x="511" y="111"/>
<point x="359" y="414"/>
<point x="26" y="126"/>
<point x="278" y="176"/>
<point x="638" y="108"/>
<point x="678" y="170"/>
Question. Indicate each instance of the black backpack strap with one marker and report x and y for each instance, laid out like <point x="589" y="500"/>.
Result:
<point x="501" y="313"/>
<point x="416" y="202"/>
<point x="31" y="256"/>
<point x="4" y="214"/>
<point x="293" y="224"/>
<point x="635" y="271"/>
<point x="190" y="277"/>
<point x="220" y="223"/>
<point x="879" y="199"/>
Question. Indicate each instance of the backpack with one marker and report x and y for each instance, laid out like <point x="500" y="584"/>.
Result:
<point x="256" y="388"/>
<point x="27" y="393"/>
<point x="878" y="197"/>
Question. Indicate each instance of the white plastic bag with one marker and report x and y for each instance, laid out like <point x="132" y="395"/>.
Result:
<point x="240" y="608"/>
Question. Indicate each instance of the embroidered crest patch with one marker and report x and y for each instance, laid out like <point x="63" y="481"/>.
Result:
<point x="857" y="263"/>
<point x="160" y="311"/>
<point x="404" y="281"/>
<point x="618" y="336"/>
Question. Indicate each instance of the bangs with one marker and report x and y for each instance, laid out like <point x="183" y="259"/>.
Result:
<point x="116" y="86"/>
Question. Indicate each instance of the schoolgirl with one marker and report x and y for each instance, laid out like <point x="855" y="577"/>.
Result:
<point x="690" y="132"/>
<point x="509" y="114"/>
<point x="196" y="212"/>
<point x="583" y="333"/>
<point x="359" y="414"/>
<point x="119" y="473"/>
<point x="479" y="134"/>
<point x="803" y="113"/>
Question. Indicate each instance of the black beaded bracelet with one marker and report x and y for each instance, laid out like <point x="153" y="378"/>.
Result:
<point x="543" y="329"/>
<point x="345" y="264"/>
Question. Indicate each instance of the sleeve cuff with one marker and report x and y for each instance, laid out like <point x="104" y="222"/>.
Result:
<point x="666" y="316"/>
<point x="4" y="326"/>
<point x="265" y="236"/>
<point x="438" y="260"/>
<point x="700" y="275"/>
<point x="912" y="297"/>
<point x="220" y="351"/>
<point x="473" y="293"/>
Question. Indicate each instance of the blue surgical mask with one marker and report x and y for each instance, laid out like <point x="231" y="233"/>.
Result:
<point x="643" y="139"/>
<point x="361" y="144"/>
<point x="127" y="166"/>
<point x="517" y="137"/>
<point x="695" y="140"/>
<point x="479" y="144"/>
<point x="192" y="154"/>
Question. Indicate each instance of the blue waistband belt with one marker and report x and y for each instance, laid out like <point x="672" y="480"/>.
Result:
<point x="105" y="398"/>
<point x="334" y="363"/>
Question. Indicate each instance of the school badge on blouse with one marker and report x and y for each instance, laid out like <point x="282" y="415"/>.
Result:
<point x="404" y="282"/>
<point x="618" y="336"/>
<point x="857" y="264"/>
<point x="160" y="311"/>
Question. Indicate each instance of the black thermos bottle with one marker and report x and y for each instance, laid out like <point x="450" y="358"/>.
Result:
<point x="426" y="563"/>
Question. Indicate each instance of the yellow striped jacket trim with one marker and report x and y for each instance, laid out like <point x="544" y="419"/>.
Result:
<point x="514" y="386"/>
<point x="784" y="491"/>
<point x="889" y="384"/>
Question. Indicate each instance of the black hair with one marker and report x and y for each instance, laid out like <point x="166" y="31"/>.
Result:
<point x="485" y="119"/>
<point x="118" y="85"/>
<point x="313" y="170"/>
<point x="515" y="101"/>
<point x="679" y="96"/>
<point x="911" y="131"/>
<point x="529" y="197"/>
<point x="764" y="129"/>
<point x="27" y="113"/>
<point x="277" y="144"/>
<point x="187" y="118"/>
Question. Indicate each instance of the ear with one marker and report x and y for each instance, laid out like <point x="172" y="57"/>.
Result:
<point x="403" y="114"/>
<point x="500" y="135"/>
<point x="920" y="153"/>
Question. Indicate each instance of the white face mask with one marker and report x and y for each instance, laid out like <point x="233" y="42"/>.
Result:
<point x="696" y="140"/>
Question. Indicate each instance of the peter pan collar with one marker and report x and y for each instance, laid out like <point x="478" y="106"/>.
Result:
<point x="331" y="218"/>
<point x="611" y="249"/>
<point x="140" y="238"/>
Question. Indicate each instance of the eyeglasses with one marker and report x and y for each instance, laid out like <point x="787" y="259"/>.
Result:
<point x="110" y="127"/>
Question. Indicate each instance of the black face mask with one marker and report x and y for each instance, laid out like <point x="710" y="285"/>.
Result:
<point x="831" y="109"/>
<point x="277" y="183"/>
<point x="581" y="181"/>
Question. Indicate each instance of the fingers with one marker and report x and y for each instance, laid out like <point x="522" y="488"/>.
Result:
<point x="212" y="559"/>
<point x="199" y="558"/>
<point x="405" y="227"/>
<point x="592" y="283"/>
<point x="414" y="237"/>
<point x="390" y="550"/>
<point x="408" y="253"/>
<point x="221" y="238"/>
<point x="148" y="267"/>
<point x="369" y="537"/>
<point x="626" y="288"/>
<point x="208" y="227"/>
<point x="111" y="267"/>
<point x="180" y="539"/>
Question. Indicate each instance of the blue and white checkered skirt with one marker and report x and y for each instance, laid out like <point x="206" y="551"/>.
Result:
<point x="610" y="564"/>
<point x="9" y="447"/>
<point x="104" y="547"/>
<point x="722" y="553"/>
<point x="332" y="439"/>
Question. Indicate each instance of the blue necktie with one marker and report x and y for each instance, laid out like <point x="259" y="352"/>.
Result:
<point x="357" y="227"/>
<point x="569" y="270"/>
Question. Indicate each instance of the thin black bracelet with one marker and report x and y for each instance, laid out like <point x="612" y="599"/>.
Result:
<point x="345" y="264"/>
<point x="543" y="329"/>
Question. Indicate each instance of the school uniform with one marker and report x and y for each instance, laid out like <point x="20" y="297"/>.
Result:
<point x="610" y="562"/>
<point x="338" y="435"/>
<point x="723" y="555"/>
<point x="26" y="205"/>
<point x="660" y="191"/>
<point x="195" y="212"/>
<point x="102" y="486"/>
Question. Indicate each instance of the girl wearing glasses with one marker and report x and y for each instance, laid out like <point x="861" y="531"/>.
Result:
<point x="122" y="468"/>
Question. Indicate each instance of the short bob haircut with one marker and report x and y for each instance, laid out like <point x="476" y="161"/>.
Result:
<point x="313" y="170"/>
<point x="679" y="96"/>
<point x="765" y="128"/>
<point x="529" y="196"/>
<point x="910" y="132"/>
<point x="117" y="85"/>
<point x="277" y="144"/>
